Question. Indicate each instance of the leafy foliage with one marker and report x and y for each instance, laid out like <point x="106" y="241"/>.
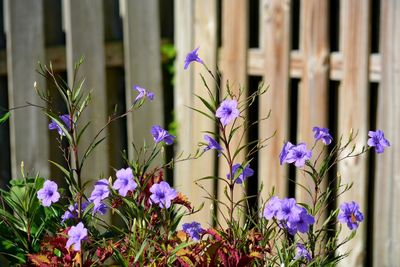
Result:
<point x="281" y="232"/>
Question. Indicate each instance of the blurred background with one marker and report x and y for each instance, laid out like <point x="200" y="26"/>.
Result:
<point x="332" y="63"/>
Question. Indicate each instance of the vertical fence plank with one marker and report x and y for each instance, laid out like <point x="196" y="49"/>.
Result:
<point x="312" y="110"/>
<point x="353" y="112"/>
<point x="275" y="40"/>
<point x="25" y="47"/>
<point x="206" y="38"/>
<point x="195" y="23"/>
<point x="83" y="23"/>
<point x="142" y="67"/>
<point x="386" y="242"/>
<point x="184" y="81"/>
<point x="234" y="70"/>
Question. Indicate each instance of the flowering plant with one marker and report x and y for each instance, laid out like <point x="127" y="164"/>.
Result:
<point x="66" y="227"/>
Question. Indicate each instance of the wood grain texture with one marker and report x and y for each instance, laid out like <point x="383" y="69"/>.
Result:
<point x="234" y="72"/>
<point x="313" y="88"/>
<point x="25" y="47"/>
<point x="184" y="82"/>
<point x="386" y="241"/>
<point x="353" y="113"/>
<point x="83" y="23"/>
<point x="275" y="18"/>
<point x="205" y="30"/>
<point x="195" y="27"/>
<point x="256" y="65"/>
<point x="142" y="59"/>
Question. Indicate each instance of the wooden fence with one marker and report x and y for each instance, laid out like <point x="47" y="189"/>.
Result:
<point x="327" y="63"/>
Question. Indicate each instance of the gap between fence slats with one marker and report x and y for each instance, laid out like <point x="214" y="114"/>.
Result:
<point x="142" y="67"/>
<point x="25" y="47"/>
<point x="386" y="240"/>
<point x="234" y="71"/>
<point x="275" y="40"/>
<point x="353" y="114"/>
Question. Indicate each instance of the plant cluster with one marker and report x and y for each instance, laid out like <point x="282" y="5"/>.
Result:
<point x="44" y="225"/>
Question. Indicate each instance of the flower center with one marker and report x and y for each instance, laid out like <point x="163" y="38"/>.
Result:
<point x="160" y="194"/>
<point x="353" y="218"/>
<point x="228" y="111"/>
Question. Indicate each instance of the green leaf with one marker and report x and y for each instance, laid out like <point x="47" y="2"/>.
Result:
<point x="139" y="253"/>
<point x="82" y="131"/>
<point x="5" y="117"/>
<point x="209" y="106"/>
<point x="78" y="89"/>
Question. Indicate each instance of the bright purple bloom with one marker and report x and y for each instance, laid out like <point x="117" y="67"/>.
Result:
<point x="100" y="208"/>
<point x="322" y="134"/>
<point x="227" y="111"/>
<point x="72" y="211"/>
<point x="212" y="144"/>
<point x="285" y="151"/>
<point x="289" y="210"/>
<point x="245" y="172"/>
<point x="67" y="214"/>
<point x="143" y="93"/>
<point x="302" y="253"/>
<point x="67" y="122"/>
<point x="161" y="135"/>
<point x="162" y="194"/>
<point x="48" y="194"/>
<point x="100" y="192"/>
<point x="272" y="208"/>
<point x="192" y="56"/>
<point x="298" y="155"/>
<point x="75" y="235"/>
<point x="124" y="182"/>
<point x="377" y="139"/>
<point x="350" y="214"/>
<point x="302" y="224"/>
<point x="193" y="229"/>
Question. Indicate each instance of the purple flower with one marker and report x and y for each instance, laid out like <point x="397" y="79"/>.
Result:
<point x="67" y="122"/>
<point x="48" y="194"/>
<point x="302" y="253"/>
<point x="75" y="235"/>
<point x="378" y="141"/>
<point x="322" y="134"/>
<point x="100" y="192"/>
<point x="285" y="151"/>
<point x="161" y="135"/>
<point x="227" y="111"/>
<point x="124" y="182"/>
<point x="302" y="224"/>
<point x="162" y="194"/>
<point x="298" y="155"/>
<point x="193" y="229"/>
<point x="100" y="208"/>
<point x="143" y="93"/>
<point x="192" y="56"/>
<point x="67" y="214"/>
<point x="212" y="144"/>
<point x="350" y="214"/>
<point x="289" y="210"/>
<point x="244" y="173"/>
<point x="72" y="211"/>
<point x="272" y="208"/>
